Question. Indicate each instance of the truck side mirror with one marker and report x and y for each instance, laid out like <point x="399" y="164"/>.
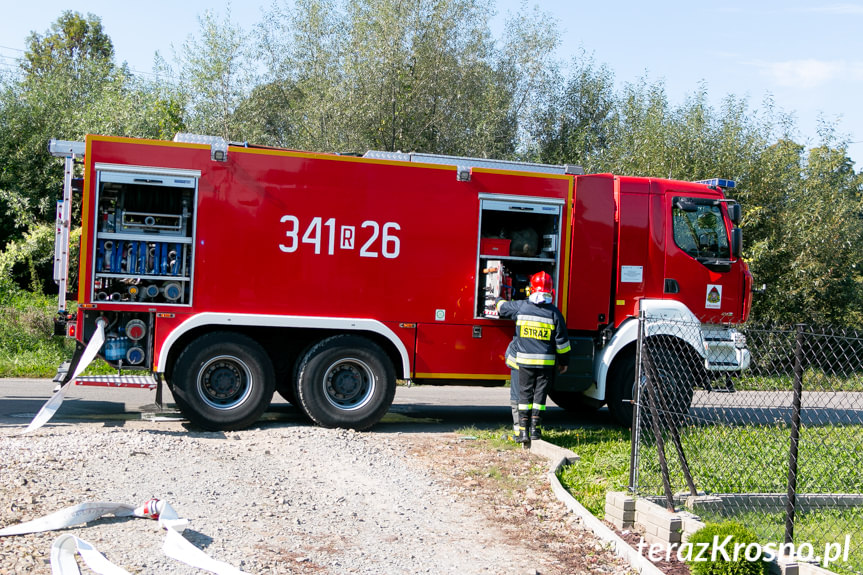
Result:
<point x="736" y="243"/>
<point x="734" y="213"/>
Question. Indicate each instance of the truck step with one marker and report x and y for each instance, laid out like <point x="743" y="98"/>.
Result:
<point x="139" y="381"/>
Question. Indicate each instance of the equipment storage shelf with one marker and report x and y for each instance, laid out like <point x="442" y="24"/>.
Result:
<point x="145" y="236"/>
<point x="517" y="238"/>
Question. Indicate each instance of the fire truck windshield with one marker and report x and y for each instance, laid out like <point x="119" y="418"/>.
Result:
<point x="699" y="229"/>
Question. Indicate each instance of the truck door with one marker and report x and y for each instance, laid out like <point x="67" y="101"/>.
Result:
<point x="698" y="265"/>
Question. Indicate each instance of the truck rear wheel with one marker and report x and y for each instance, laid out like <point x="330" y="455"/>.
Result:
<point x="223" y="381"/>
<point x="346" y="381"/>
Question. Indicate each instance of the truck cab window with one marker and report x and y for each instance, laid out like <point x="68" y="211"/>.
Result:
<point x="699" y="229"/>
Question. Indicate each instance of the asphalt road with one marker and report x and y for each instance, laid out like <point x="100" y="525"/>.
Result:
<point x="416" y="408"/>
<point x="420" y="408"/>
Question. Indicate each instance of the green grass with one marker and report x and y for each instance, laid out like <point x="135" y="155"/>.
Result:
<point x="813" y="380"/>
<point x="750" y="459"/>
<point x="754" y="459"/>
<point x="27" y="346"/>
<point x="818" y="527"/>
<point x="604" y="463"/>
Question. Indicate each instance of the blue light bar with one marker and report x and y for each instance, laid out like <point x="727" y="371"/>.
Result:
<point x="718" y="182"/>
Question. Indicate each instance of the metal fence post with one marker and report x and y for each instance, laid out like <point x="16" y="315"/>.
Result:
<point x="791" y="502"/>
<point x="636" y="415"/>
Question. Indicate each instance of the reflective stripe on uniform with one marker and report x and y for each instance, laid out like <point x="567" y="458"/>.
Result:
<point x="564" y="347"/>
<point x="537" y="319"/>
<point x="525" y="406"/>
<point x="538" y="407"/>
<point x="534" y="359"/>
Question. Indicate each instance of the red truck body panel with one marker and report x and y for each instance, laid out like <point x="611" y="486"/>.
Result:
<point x="258" y="250"/>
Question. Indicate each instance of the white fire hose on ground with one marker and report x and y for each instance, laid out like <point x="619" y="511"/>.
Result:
<point x="66" y="546"/>
<point x="52" y="405"/>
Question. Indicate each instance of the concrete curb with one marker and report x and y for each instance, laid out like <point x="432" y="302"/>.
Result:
<point x="559" y="458"/>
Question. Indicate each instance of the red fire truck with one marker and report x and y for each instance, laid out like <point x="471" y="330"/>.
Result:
<point x="231" y="271"/>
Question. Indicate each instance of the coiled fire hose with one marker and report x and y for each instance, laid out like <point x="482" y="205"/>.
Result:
<point x="66" y="546"/>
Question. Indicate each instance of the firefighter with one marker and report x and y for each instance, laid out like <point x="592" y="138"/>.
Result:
<point x="540" y="342"/>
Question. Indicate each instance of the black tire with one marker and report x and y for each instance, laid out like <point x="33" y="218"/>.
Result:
<point x="678" y="372"/>
<point x="575" y="401"/>
<point x="346" y="381"/>
<point x="223" y="381"/>
<point x="621" y="380"/>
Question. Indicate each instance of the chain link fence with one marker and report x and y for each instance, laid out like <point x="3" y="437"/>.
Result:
<point x="777" y="447"/>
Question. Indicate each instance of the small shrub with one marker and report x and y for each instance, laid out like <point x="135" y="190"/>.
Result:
<point x="714" y="534"/>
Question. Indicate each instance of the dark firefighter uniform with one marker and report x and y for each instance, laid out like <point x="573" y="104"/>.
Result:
<point x="540" y="342"/>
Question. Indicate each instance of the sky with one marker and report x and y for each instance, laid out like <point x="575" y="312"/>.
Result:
<point x="805" y="55"/>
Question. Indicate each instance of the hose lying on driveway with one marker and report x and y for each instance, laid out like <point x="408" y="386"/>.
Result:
<point x="65" y="547"/>
<point x="52" y="405"/>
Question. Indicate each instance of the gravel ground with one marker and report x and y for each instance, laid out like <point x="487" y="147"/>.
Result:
<point x="296" y="499"/>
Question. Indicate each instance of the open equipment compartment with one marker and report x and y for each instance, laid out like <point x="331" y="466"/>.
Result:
<point x="518" y="237"/>
<point x="144" y="241"/>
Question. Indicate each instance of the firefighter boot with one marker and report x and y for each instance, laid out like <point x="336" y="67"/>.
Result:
<point x="523" y="422"/>
<point x="514" y="407"/>
<point x="535" y="421"/>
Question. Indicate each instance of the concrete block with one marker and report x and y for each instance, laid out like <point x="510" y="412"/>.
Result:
<point x="618" y="513"/>
<point x="620" y="499"/>
<point x="705" y="503"/>
<point x="663" y="538"/>
<point x="661" y="534"/>
<point x="619" y="523"/>
<point x="652" y="514"/>
<point x="690" y="523"/>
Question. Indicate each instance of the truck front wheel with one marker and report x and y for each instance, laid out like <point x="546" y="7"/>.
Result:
<point x="575" y="401"/>
<point x="223" y="381"/>
<point x="346" y="381"/>
<point x="678" y="372"/>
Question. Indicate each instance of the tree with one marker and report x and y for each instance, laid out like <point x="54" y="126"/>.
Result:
<point x="575" y="124"/>
<point x="805" y="216"/>
<point x="72" y="43"/>
<point x="218" y="75"/>
<point x="385" y="74"/>
<point x="68" y="86"/>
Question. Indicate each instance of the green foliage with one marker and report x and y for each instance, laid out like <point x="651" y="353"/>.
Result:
<point x="575" y="123"/>
<point x="816" y="526"/>
<point x="27" y="348"/>
<point x="754" y="459"/>
<point x="28" y="259"/>
<point x="739" y="536"/>
<point x="428" y="76"/>
<point x="68" y="86"/>
<point x="71" y="42"/>
<point x="218" y="68"/>
<point x="383" y="74"/>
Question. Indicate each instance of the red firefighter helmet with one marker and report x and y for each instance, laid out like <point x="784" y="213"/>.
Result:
<point x="541" y="282"/>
